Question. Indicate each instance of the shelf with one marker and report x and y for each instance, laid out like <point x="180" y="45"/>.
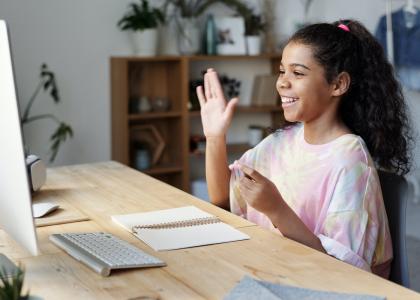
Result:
<point x="161" y="58"/>
<point x="167" y="77"/>
<point x="240" y="147"/>
<point x="157" y="170"/>
<point x="233" y="57"/>
<point x="133" y="58"/>
<point x="246" y="109"/>
<point x="153" y="115"/>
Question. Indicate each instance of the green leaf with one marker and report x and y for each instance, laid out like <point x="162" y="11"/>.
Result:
<point x="141" y="17"/>
<point x="58" y="137"/>
<point x="49" y="82"/>
<point x="49" y="85"/>
<point x="11" y="288"/>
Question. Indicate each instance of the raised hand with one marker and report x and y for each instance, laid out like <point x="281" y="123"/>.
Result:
<point x="216" y="114"/>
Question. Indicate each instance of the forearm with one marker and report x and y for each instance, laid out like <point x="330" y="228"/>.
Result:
<point x="217" y="171"/>
<point x="291" y="226"/>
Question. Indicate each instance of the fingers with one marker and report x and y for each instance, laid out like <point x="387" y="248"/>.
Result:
<point x="216" y="89"/>
<point x="207" y="91"/>
<point x="230" y="108"/>
<point x="212" y="87"/>
<point x="247" y="189"/>
<point x="200" y="95"/>
<point x="247" y="183"/>
<point x="251" y="173"/>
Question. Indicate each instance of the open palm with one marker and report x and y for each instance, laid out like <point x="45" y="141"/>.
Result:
<point x="216" y="113"/>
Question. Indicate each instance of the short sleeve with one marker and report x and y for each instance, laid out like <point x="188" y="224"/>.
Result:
<point x="356" y="219"/>
<point x="257" y="158"/>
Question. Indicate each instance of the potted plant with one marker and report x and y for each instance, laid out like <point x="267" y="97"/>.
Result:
<point x="254" y="25"/>
<point x="11" y="286"/>
<point x="142" y="22"/>
<point x="48" y="84"/>
<point x="185" y="13"/>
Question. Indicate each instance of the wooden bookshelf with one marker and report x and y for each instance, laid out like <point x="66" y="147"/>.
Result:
<point x="168" y="77"/>
<point x="246" y="109"/>
<point x="153" y="115"/>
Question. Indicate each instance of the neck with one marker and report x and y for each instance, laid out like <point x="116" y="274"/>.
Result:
<point x="317" y="132"/>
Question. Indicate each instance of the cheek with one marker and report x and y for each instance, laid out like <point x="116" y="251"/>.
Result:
<point x="312" y="91"/>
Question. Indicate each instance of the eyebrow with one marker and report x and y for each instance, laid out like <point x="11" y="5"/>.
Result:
<point x="297" y="65"/>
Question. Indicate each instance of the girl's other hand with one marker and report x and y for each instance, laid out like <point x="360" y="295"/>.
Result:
<point x="216" y="114"/>
<point x="259" y="192"/>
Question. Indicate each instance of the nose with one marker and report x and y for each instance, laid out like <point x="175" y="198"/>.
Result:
<point x="282" y="83"/>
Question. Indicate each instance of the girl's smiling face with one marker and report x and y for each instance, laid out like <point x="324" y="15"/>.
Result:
<point x="306" y="95"/>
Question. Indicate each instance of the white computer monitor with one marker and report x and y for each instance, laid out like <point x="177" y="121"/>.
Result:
<point x="15" y="197"/>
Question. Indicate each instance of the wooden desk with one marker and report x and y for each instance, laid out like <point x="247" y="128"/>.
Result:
<point x="104" y="189"/>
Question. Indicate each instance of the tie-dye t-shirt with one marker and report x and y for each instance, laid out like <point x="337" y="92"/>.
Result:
<point x="333" y="188"/>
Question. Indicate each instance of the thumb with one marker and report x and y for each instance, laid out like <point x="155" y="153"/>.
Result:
<point x="251" y="173"/>
<point x="230" y="107"/>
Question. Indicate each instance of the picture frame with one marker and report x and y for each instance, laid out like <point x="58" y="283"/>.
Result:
<point x="264" y="91"/>
<point x="230" y="35"/>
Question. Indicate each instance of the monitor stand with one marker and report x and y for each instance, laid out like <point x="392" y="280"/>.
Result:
<point x="7" y="267"/>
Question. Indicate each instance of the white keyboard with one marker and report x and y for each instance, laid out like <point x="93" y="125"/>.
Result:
<point x="104" y="252"/>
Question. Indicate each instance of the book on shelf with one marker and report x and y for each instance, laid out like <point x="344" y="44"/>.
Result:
<point x="264" y="92"/>
<point x="178" y="228"/>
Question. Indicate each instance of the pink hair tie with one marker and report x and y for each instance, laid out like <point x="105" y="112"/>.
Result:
<point x="344" y="27"/>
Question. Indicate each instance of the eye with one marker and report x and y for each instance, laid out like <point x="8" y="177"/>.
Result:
<point x="281" y="72"/>
<point x="298" y="73"/>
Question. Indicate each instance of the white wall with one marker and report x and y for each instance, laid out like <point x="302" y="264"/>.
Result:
<point x="76" y="38"/>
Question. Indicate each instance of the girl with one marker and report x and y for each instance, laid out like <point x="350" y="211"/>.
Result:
<point x="315" y="180"/>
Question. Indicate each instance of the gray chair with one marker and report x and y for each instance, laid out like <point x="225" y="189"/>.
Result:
<point x="395" y="193"/>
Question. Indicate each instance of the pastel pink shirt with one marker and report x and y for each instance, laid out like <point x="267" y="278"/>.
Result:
<point x="333" y="188"/>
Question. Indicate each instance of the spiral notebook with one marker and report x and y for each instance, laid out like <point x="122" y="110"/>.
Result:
<point x="178" y="228"/>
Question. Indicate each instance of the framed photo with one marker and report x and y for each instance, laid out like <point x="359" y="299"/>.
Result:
<point x="264" y="91"/>
<point x="230" y="35"/>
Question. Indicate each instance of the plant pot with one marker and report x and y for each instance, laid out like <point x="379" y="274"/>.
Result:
<point x="144" y="42"/>
<point x="188" y="36"/>
<point x="168" y="39"/>
<point x="253" y="44"/>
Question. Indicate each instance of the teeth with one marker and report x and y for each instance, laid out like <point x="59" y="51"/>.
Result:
<point x="288" y="99"/>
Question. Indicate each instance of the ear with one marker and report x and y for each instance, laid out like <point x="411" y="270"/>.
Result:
<point x="341" y="84"/>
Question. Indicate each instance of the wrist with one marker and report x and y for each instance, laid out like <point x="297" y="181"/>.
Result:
<point x="215" y="138"/>
<point x="276" y="214"/>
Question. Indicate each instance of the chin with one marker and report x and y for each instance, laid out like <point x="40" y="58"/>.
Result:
<point x="291" y="118"/>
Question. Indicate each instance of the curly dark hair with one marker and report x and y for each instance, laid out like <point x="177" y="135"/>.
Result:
<point x="374" y="106"/>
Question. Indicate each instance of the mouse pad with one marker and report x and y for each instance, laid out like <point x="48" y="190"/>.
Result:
<point x="66" y="213"/>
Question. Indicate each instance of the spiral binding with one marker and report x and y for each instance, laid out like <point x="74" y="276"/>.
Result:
<point x="178" y="224"/>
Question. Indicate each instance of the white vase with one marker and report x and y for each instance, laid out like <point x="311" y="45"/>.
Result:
<point x="253" y="44"/>
<point x="189" y="36"/>
<point x="168" y="39"/>
<point x="144" y="42"/>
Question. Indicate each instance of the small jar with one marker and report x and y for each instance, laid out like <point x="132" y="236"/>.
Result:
<point x="143" y="159"/>
<point x="144" y="104"/>
<point x="160" y="104"/>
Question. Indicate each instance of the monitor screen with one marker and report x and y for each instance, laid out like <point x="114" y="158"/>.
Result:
<point x="15" y="197"/>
